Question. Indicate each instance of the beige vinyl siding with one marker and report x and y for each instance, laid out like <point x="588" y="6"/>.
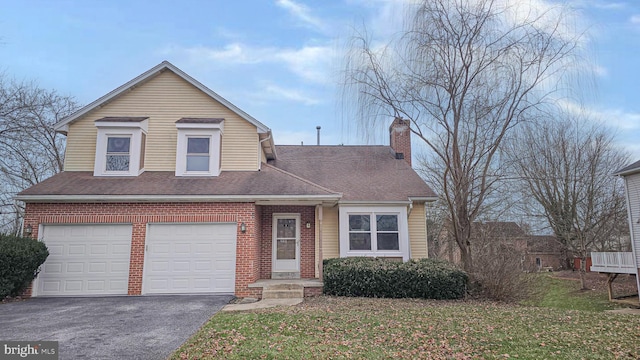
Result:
<point x="330" y="239"/>
<point x="164" y="99"/>
<point x="418" y="232"/>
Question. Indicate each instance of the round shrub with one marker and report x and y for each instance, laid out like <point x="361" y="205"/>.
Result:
<point x="377" y="277"/>
<point x="20" y="258"/>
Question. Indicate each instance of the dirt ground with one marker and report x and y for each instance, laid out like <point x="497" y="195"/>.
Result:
<point x="624" y="284"/>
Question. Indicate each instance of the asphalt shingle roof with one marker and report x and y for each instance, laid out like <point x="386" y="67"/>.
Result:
<point x="351" y="173"/>
<point x="360" y="173"/>
<point x="268" y="181"/>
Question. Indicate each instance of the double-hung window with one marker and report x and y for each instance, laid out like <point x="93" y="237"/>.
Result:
<point x="375" y="231"/>
<point x="198" y="154"/>
<point x="199" y="146"/>
<point x="120" y="146"/>
<point x="118" y="153"/>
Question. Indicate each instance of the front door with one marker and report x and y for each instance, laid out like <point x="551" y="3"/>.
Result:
<point x="286" y="244"/>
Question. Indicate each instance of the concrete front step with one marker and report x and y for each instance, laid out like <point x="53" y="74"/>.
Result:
<point x="283" y="291"/>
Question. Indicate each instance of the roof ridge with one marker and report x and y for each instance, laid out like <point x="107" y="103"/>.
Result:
<point x="302" y="179"/>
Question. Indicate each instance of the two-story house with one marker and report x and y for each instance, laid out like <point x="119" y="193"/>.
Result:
<point x="168" y="188"/>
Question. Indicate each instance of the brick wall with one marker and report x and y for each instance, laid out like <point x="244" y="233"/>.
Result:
<point x="139" y="214"/>
<point x="307" y="238"/>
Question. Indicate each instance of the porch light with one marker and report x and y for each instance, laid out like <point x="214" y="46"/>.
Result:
<point x="308" y="225"/>
<point x="243" y="227"/>
<point x="28" y="230"/>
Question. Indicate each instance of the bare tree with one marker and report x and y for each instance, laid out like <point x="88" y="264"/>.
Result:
<point x="30" y="150"/>
<point x="566" y="167"/>
<point x="465" y="73"/>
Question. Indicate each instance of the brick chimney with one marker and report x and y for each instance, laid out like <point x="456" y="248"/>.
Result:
<point x="400" y="139"/>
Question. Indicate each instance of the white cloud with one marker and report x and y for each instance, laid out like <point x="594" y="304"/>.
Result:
<point x="276" y="93"/>
<point x="302" y="13"/>
<point x="600" y="71"/>
<point x="599" y="4"/>
<point x="311" y="63"/>
<point x="616" y="118"/>
<point x="635" y="19"/>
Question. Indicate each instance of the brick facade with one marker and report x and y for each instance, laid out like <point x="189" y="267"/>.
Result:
<point x="253" y="251"/>
<point x="140" y="214"/>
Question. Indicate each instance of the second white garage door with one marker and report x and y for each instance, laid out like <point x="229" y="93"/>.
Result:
<point x="190" y="258"/>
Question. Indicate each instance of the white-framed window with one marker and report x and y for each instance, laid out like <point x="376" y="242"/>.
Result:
<point x="120" y="146"/>
<point x="380" y="231"/>
<point x="118" y="153"/>
<point x="199" y="147"/>
<point x="198" y="153"/>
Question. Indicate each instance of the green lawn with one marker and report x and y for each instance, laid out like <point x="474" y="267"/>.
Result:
<point x="566" y="295"/>
<point x="334" y="328"/>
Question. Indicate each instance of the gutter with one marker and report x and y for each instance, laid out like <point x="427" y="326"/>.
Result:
<point x="172" y="198"/>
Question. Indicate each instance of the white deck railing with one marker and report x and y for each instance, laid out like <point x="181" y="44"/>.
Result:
<point x="613" y="262"/>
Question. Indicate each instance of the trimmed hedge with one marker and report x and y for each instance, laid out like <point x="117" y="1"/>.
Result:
<point x="374" y="277"/>
<point x="20" y="258"/>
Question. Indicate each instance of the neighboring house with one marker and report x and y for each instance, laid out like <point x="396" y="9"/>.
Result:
<point x="536" y="252"/>
<point x="543" y="252"/>
<point x="169" y="188"/>
<point x="624" y="262"/>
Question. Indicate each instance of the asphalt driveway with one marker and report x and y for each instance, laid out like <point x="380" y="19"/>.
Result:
<point x="127" y="327"/>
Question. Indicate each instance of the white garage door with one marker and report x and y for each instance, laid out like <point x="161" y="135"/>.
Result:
<point x="85" y="260"/>
<point x="190" y="258"/>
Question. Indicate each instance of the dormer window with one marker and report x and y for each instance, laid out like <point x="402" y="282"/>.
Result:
<point x="199" y="146"/>
<point x="120" y="146"/>
<point x="118" y="154"/>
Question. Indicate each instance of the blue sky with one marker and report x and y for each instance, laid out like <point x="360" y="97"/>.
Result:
<point x="279" y="60"/>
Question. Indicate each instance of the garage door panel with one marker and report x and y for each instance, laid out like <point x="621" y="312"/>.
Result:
<point x="190" y="258"/>
<point x="73" y="285"/>
<point x="76" y="249"/>
<point x="182" y="249"/>
<point x="96" y="285"/>
<point x="225" y="265"/>
<point x="119" y="267"/>
<point x="55" y="249"/>
<point x="98" y="267"/>
<point x="203" y="265"/>
<point x="85" y="260"/>
<point x="51" y="267"/>
<point x="120" y="249"/>
<point x="74" y="267"/>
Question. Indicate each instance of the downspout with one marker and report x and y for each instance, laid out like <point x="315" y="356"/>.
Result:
<point x="410" y="207"/>
<point x="319" y="208"/>
<point x="260" y="151"/>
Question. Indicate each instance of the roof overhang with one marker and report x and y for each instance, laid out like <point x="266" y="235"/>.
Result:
<point x="262" y="199"/>
<point x="423" y="198"/>
<point x="627" y="172"/>
<point x="374" y="203"/>
<point x="63" y="125"/>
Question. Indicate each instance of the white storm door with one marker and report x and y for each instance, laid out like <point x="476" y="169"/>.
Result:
<point x="286" y="243"/>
